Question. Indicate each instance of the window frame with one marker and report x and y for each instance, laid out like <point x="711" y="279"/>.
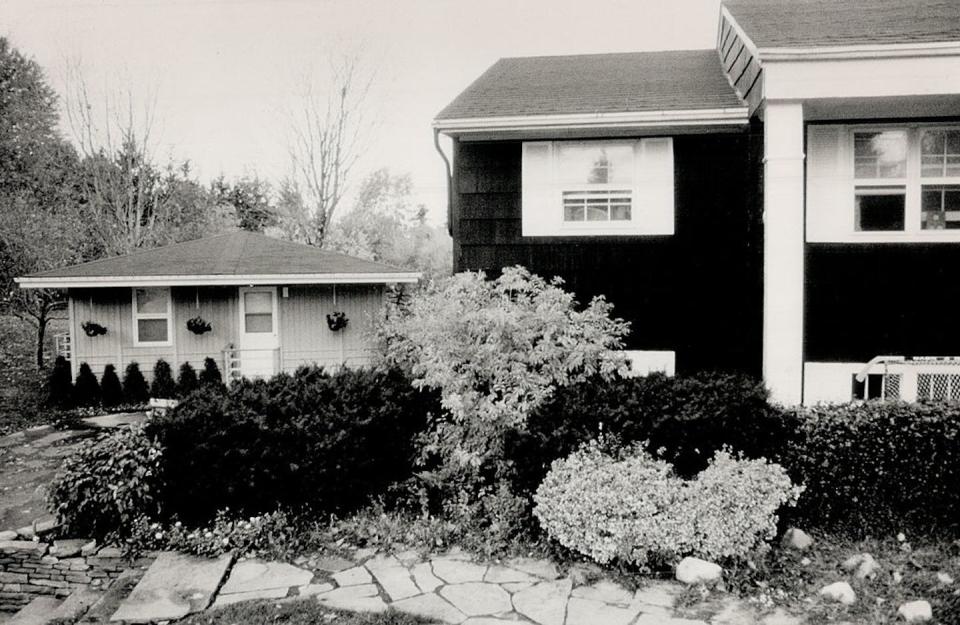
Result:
<point x="913" y="183"/>
<point x="137" y="316"/>
<point x="547" y="218"/>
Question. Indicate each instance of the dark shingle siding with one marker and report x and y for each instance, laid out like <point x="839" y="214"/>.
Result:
<point x="233" y="254"/>
<point x="596" y="83"/>
<point x="810" y="23"/>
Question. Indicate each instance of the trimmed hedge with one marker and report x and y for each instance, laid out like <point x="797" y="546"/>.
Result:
<point x="326" y="441"/>
<point x="876" y="468"/>
<point x="689" y="418"/>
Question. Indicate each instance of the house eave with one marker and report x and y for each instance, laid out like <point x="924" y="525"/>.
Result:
<point x="645" y="120"/>
<point x="866" y="51"/>
<point x="28" y="282"/>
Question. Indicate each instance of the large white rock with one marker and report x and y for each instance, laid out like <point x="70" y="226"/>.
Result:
<point x="916" y="612"/>
<point x="797" y="539"/>
<point x="863" y="565"/>
<point x="697" y="571"/>
<point x="841" y="592"/>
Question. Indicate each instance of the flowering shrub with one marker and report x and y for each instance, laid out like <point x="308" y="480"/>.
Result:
<point x="630" y="506"/>
<point x="496" y="349"/>
<point x="256" y="535"/>
<point x="107" y="483"/>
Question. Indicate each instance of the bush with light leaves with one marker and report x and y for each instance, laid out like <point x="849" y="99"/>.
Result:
<point x="627" y="506"/>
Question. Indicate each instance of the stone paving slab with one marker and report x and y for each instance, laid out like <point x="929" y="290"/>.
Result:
<point x="393" y="577"/>
<point x="37" y="612"/>
<point x="353" y="577"/>
<point x="458" y="571"/>
<point x="430" y="606"/>
<point x="249" y="595"/>
<point x="544" y="603"/>
<point x="259" y="575"/>
<point x="174" y="586"/>
<point x="591" y="612"/>
<point x="477" y="598"/>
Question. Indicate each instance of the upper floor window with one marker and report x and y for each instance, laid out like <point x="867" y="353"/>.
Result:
<point x="152" y="316"/>
<point x="883" y="182"/>
<point x="604" y="187"/>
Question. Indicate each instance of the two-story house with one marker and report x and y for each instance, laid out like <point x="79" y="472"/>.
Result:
<point x="787" y="204"/>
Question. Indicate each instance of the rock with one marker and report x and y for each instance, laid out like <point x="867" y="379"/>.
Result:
<point x="477" y="598"/>
<point x="590" y="612"/>
<point x="357" y="598"/>
<point x="797" y="539"/>
<point x="605" y="591"/>
<point x="862" y="565"/>
<point x="501" y="574"/>
<point x="258" y="575"/>
<point x="67" y="548"/>
<point x="38" y="612"/>
<point x="353" y="577"/>
<point x="333" y="564"/>
<point x="840" y="592"/>
<point x="393" y="576"/>
<point x="944" y="578"/>
<point x="77" y="604"/>
<point x="544" y="603"/>
<point x="535" y="566"/>
<point x="249" y="595"/>
<point x="431" y="607"/>
<point x="8" y="535"/>
<point x="309" y="590"/>
<point x="697" y="571"/>
<point x="916" y="611"/>
<point x="458" y="571"/>
<point x="23" y="545"/>
<point x="174" y="586"/>
<point x="89" y="548"/>
<point x="424" y="578"/>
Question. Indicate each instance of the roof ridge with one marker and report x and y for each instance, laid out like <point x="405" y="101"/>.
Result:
<point x="596" y="54"/>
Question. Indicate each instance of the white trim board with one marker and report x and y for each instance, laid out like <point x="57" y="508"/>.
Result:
<point x="215" y="280"/>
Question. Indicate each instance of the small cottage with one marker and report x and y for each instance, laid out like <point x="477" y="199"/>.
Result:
<point x="256" y="304"/>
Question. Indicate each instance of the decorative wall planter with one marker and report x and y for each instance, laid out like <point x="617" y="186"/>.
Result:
<point x="92" y="328"/>
<point x="337" y="321"/>
<point x="198" y="325"/>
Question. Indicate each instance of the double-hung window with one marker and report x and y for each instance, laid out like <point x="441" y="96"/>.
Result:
<point x="880" y="174"/>
<point x="152" y="316"/>
<point x="600" y="187"/>
<point x="940" y="178"/>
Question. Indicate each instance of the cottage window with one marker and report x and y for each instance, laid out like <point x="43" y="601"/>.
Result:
<point x="152" y="316"/>
<point x="609" y="187"/>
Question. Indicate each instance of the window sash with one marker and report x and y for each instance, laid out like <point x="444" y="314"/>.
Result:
<point x="138" y="316"/>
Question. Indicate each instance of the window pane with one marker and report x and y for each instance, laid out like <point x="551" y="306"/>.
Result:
<point x="599" y="163"/>
<point x="152" y="330"/>
<point x="152" y="301"/>
<point x="880" y="154"/>
<point x="573" y="211"/>
<point x="880" y="209"/>
<point x="597" y="213"/>
<point x="620" y="212"/>
<point x="258" y="302"/>
<point x="940" y="153"/>
<point x="940" y="206"/>
<point x="258" y="322"/>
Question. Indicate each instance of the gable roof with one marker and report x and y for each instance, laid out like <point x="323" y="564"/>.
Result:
<point x="232" y="258"/>
<point x="821" y="23"/>
<point x="596" y="84"/>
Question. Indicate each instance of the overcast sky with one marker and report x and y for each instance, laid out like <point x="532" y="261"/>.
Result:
<point x="224" y="73"/>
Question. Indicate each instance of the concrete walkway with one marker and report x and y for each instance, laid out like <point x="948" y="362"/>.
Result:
<point x="449" y="589"/>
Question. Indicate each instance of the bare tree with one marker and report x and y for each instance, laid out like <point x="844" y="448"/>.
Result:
<point x="130" y="202"/>
<point x="328" y="132"/>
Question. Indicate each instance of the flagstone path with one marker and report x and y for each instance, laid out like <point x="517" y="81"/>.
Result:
<point x="448" y="589"/>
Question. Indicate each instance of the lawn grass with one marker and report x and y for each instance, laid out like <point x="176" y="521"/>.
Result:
<point x="297" y="612"/>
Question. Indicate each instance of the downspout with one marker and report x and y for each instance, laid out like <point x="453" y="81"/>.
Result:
<point x="446" y="164"/>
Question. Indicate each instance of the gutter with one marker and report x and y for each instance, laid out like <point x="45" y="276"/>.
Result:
<point x="865" y="51"/>
<point x="75" y="282"/>
<point x="449" y="181"/>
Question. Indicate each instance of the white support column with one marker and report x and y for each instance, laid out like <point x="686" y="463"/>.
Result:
<point x="783" y="246"/>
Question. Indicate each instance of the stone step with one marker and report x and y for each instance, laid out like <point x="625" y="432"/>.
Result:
<point x="40" y="611"/>
<point x="174" y="586"/>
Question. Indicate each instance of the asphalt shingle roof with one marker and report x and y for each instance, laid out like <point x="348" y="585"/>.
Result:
<point x="811" y="23"/>
<point x="597" y="83"/>
<point x="232" y="254"/>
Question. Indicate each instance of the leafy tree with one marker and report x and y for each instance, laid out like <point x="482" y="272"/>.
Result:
<point x="385" y="225"/>
<point x="135" y="390"/>
<point x="86" y="390"/>
<point x="250" y="199"/>
<point x="187" y="380"/>
<point x="210" y="376"/>
<point x="110" y="390"/>
<point x="60" y="385"/>
<point x="496" y="350"/>
<point x="163" y="386"/>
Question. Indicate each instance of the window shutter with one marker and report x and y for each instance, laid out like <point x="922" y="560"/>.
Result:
<point x="829" y="183"/>
<point x="540" y="210"/>
<point x="654" y="191"/>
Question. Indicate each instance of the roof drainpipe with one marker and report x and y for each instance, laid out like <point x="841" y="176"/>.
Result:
<point x="446" y="164"/>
